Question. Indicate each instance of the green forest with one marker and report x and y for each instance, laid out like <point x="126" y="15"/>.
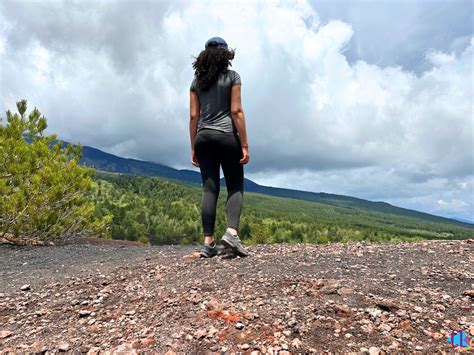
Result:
<point x="163" y="211"/>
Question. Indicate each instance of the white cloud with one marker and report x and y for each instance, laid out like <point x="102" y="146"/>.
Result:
<point x="315" y="121"/>
<point x="438" y="58"/>
<point x="452" y="203"/>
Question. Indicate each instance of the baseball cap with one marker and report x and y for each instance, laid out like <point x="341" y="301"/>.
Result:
<point x="216" y="42"/>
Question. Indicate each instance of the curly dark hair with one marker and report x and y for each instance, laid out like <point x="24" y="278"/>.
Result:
<point x="210" y="63"/>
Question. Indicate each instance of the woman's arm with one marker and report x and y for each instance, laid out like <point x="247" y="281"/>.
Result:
<point x="237" y="113"/>
<point x="194" y="113"/>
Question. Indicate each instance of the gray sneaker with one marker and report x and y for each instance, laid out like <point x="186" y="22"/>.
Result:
<point x="234" y="243"/>
<point x="207" y="251"/>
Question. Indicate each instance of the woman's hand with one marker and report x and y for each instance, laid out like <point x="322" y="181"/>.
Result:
<point x="245" y="155"/>
<point x="194" y="160"/>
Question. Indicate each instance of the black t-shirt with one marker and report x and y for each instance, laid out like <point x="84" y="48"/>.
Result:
<point x="215" y="102"/>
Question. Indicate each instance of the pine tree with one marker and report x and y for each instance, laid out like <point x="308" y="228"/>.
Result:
<point x="42" y="185"/>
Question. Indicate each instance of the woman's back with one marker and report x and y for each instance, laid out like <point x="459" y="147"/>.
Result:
<point x="215" y="102"/>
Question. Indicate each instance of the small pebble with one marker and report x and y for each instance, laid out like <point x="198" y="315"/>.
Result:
<point x="64" y="347"/>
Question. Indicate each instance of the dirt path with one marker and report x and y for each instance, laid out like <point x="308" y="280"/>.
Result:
<point x="101" y="298"/>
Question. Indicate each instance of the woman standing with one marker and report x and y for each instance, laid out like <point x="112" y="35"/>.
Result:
<point x="218" y="138"/>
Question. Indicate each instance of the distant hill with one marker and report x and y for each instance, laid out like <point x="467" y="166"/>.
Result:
<point x="108" y="162"/>
<point x="464" y="221"/>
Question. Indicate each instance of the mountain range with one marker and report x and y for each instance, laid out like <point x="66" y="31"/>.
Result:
<point x="108" y="162"/>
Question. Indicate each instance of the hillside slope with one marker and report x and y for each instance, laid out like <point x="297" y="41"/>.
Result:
<point x="302" y="298"/>
<point x="112" y="163"/>
<point x="265" y="218"/>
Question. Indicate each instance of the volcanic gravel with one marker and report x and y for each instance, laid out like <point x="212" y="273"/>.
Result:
<point x="104" y="297"/>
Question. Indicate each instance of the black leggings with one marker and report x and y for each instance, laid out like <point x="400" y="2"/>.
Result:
<point x="214" y="148"/>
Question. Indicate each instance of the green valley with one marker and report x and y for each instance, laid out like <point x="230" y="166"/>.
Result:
<point x="166" y="211"/>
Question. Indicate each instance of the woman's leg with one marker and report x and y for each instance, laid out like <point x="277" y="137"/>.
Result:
<point x="230" y="154"/>
<point x="205" y="150"/>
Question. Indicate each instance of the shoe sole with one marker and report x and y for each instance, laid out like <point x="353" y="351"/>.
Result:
<point x="204" y="254"/>
<point x="231" y="245"/>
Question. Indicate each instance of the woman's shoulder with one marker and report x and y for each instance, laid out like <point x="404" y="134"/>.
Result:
<point x="229" y="71"/>
<point x="233" y="75"/>
<point x="233" y="72"/>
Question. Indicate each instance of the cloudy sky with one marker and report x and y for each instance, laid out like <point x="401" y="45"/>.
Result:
<point x="372" y="99"/>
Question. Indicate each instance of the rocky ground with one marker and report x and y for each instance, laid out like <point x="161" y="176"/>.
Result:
<point x="109" y="297"/>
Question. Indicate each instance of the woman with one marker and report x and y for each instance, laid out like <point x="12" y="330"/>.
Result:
<point x="218" y="138"/>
